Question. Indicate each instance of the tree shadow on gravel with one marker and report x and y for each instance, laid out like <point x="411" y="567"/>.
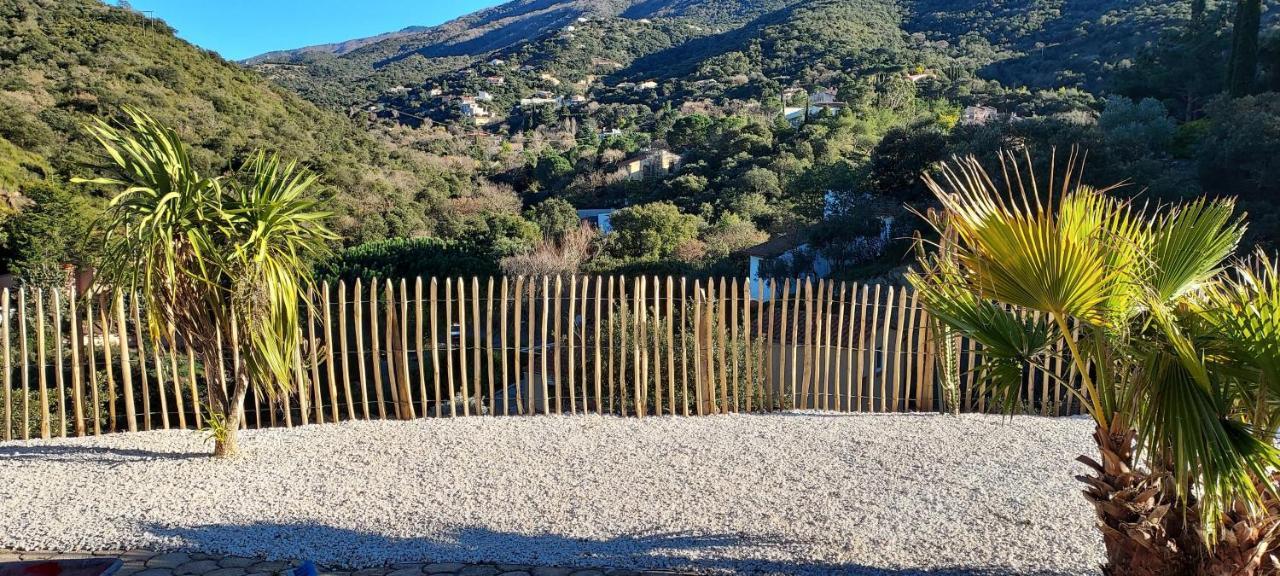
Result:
<point x="94" y="454"/>
<point x="344" y="548"/>
<point x="811" y="414"/>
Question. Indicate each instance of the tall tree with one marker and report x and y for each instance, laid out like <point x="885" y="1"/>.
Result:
<point x="219" y="263"/>
<point x="1243" y="67"/>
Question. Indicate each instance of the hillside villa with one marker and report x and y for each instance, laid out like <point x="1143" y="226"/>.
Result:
<point x="978" y="115"/>
<point x="821" y="99"/>
<point x="649" y="164"/>
<point x="794" y="255"/>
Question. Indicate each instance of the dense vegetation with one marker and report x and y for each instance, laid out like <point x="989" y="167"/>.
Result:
<point x="407" y="170"/>
<point x="702" y="129"/>
<point x="354" y="72"/>
<point x="63" y="63"/>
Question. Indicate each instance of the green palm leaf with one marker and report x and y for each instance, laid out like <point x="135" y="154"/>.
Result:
<point x="277" y="231"/>
<point x="212" y="258"/>
<point x="1018" y="250"/>
<point x="1188" y="354"/>
<point x="1011" y="343"/>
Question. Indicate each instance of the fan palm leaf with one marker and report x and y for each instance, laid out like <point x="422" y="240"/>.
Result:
<point x="1011" y="343"/>
<point x="1016" y="250"/>
<point x="1191" y="361"/>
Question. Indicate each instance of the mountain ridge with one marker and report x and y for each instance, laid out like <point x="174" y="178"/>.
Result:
<point x="1040" y="43"/>
<point x="709" y="11"/>
<point x="336" y="48"/>
<point x="380" y="62"/>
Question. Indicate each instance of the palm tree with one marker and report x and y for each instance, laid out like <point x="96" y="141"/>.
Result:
<point x="1134" y="295"/>
<point x="223" y="261"/>
<point x="1238" y="325"/>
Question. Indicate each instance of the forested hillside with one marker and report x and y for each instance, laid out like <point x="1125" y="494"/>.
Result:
<point x="1138" y="84"/>
<point x="1046" y="43"/>
<point x="702" y="127"/>
<point x="64" y="62"/>
<point x="1036" y="43"/>
<point x="330" y="75"/>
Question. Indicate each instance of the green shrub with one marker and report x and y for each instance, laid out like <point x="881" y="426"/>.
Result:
<point x="407" y="258"/>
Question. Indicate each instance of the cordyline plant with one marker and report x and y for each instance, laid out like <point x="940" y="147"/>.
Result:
<point x="1176" y="350"/>
<point x="224" y="261"/>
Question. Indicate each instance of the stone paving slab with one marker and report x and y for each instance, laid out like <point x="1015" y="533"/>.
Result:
<point x="150" y="563"/>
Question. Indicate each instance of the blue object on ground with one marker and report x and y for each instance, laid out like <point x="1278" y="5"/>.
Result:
<point x="306" y="568"/>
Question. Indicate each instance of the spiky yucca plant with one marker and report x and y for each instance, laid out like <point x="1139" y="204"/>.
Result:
<point x="224" y="261"/>
<point x="1181" y="430"/>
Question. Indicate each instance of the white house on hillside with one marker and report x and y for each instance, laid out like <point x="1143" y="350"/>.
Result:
<point x="785" y="250"/>
<point x="793" y="253"/>
<point x="823" y="96"/>
<point x="473" y="110"/>
<point x="978" y="115"/>
<point x="541" y="101"/>
<point x="794" y="115"/>
<point x="821" y="99"/>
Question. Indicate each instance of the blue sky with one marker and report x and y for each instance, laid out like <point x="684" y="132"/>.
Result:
<point x="238" y="29"/>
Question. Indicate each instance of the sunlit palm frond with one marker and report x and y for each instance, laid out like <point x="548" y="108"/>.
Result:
<point x="1121" y="234"/>
<point x="1189" y="245"/>
<point x="1019" y="251"/>
<point x="207" y="256"/>
<point x="1011" y="344"/>
<point x="275" y="231"/>
<point x="156" y="242"/>
<point x="1242" y="314"/>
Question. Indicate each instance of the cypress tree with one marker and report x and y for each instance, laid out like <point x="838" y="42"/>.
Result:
<point x="1243" y="66"/>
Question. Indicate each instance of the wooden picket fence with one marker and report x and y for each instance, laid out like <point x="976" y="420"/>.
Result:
<point x="81" y="364"/>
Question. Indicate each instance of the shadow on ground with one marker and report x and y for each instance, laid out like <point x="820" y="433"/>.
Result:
<point x="480" y="545"/>
<point x="94" y="454"/>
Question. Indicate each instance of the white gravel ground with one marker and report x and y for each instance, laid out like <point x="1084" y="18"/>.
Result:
<point x="784" y="493"/>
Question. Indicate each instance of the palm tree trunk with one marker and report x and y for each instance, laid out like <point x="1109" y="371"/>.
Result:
<point x="1142" y="527"/>
<point x="228" y="445"/>
<point x="230" y="407"/>
<point x="1248" y="545"/>
<point x="233" y="408"/>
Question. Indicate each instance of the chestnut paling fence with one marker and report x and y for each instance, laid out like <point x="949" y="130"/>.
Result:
<point x="80" y="364"/>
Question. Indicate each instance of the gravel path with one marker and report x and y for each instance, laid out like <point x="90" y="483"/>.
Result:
<point x="783" y="493"/>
